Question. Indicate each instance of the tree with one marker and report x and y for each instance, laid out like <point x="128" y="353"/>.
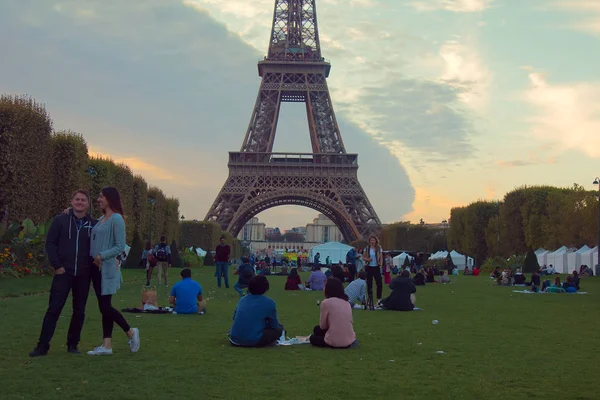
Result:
<point x="25" y="159"/>
<point x="175" y="259"/>
<point x="135" y="253"/>
<point x="293" y="237"/>
<point x="209" y="260"/>
<point x="275" y="236"/>
<point x="531" y="262"/>
<point x="406" y="262"/>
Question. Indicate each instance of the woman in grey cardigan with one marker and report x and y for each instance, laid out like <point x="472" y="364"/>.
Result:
<point x="108" y="242"/>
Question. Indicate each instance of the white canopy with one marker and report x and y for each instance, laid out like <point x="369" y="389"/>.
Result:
<point x="399" y="259"/>
<point x="574" y="259"/>
<point x="335" y="250"/>
<point x="542" y="256"/>
<point x="438" y="255"/>
<point x="199" y="251"/>
<point x="457" y="258"/>
<point x="590" y="258"/>
<point x="558" y="259"/>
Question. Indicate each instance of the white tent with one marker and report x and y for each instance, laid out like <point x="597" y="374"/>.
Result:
<point x="399" y="259"/>
<point x="199" y="251"/>
<point x="558" y="259"/>
<point x="438" y="255"/>
<point x="335" y="250"/>
<point x="590" y="258"/>
<point x="574" y="259"/>
<point x="542" y="256"/>
<point x="460" y="260"/>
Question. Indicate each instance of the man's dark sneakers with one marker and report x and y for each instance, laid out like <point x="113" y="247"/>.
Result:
<point x="73" y="349"/>
<point x="39" y="351"/>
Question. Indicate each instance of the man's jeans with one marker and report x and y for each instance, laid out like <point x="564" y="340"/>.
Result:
<point x="62" y="285"/>
<point x="222" y="272"/>
<point x="238" y="288"/>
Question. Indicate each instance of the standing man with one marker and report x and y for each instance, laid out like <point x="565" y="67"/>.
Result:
<point x="351" y="263"/>
<point x="162" y="252"/>
<point x="68" y="248"/>
<point x="222" y="254"/>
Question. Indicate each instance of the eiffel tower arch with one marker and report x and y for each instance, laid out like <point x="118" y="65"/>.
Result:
<point x="325" y="180"/>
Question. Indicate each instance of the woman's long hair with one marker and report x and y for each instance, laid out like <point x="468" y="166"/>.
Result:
<point x="335" y="288"/>
<point x="113" y="197"/>
<point x="293" y="273"/>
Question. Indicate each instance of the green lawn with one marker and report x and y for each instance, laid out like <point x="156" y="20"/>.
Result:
<point x="497" y="345"/>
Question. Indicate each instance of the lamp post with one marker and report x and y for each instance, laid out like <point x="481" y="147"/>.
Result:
<point x="91" y="171"/>
<point x="181" y="232"/>
<point x="597" y="182"/>
<point x="445" y="225"/>
<point x="498" y="227"/>
<point x="151" y="201"/>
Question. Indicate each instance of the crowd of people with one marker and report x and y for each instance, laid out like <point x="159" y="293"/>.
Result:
<point x="85" y="252"/>
<point x="506" y="277"/>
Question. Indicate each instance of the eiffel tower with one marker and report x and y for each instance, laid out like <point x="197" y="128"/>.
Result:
<point x="324" y="180"/>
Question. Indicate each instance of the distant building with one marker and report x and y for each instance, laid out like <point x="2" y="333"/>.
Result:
<point x="323" y="230"/>
<point x="253" y="231"/>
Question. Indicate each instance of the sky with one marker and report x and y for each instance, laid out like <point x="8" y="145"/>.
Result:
<point x="445" y="101"/>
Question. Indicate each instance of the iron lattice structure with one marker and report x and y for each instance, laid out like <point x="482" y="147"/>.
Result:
<point x="325" y="180"/>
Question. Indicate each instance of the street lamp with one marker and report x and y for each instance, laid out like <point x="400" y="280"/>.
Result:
<point x="498" y="226"/>
<point x="91" y="171"/>
<point x="181" y="232"/>
<point x="597" y="182"/>
<point x="445" y="225"/>
<point x="151" y="201"/>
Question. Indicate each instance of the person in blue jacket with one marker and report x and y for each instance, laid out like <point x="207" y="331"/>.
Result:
<point x="255" y="322"/>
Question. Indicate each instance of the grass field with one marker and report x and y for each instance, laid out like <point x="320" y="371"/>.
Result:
<point x="497" y="345"/>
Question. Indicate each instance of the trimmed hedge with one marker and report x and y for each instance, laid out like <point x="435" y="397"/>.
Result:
<point x="70" y="161"/>
<point x="40" y="170"/>
<point x="25" y="159"/>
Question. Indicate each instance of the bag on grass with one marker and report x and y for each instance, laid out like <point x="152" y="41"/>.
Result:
<point x="149" y="297"/>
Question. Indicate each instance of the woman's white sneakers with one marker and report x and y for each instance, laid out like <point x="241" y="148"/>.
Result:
<point x="100" y="351"/>
<point x="134" y="341"/>
<point x="134" y="345"/>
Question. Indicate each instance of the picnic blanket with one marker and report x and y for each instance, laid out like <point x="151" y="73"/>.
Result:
<point x="293" y="341"/>
<point x="159" y="310"/>
<point x="530" y="292"/>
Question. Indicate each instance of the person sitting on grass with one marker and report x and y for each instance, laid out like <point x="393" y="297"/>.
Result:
<point x="476" y="271"/>
<point x="357" y="289"/>
<point x="568" y="285"/>
<point x="316" y="280"/>
<point x="186" y="295"/>
<point x="556" y="287"/>
<point x="335" y="327"/>
<point x="535" y="279"/>
<point x="419" y="278"/>
<point x="576" y="279"/>
<point x="444" y="278"/>
<point x="403" y="296"/>
<point x="245" y="272"/>
<point x="519" y="279"/>
<point x="467" y="271"/>
<point x="293" y="281"/>
<point x="255" y="322"/>
<point x="430" y="275"/>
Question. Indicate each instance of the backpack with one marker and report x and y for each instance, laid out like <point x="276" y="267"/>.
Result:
<point x="161" y="254"/>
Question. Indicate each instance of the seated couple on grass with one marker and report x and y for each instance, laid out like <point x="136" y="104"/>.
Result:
<point x="403" y="296"/>
<point x="255" y="321"/>
<point x="186" y="295"/>
<point x="335" y="329"/>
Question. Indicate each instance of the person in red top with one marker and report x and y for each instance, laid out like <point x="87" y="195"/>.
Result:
<point x="293" y="281"/>
<point x="335" y="327"/>
<point x="222" y="254"/>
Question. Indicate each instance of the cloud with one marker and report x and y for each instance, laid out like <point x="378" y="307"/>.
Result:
<point x="167" y="89"/>
<point x="533" y="160"/>
<point x="567" y="115"/>
<point x="464" y="6"/>
<point x="587" y="10"/>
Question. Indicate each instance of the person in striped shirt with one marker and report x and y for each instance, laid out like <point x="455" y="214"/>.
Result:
<point x="357" y="289"/>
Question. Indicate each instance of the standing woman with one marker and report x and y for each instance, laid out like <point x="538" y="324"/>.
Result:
<point x="373" y="257"/>
<point x="108" y="241"/>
